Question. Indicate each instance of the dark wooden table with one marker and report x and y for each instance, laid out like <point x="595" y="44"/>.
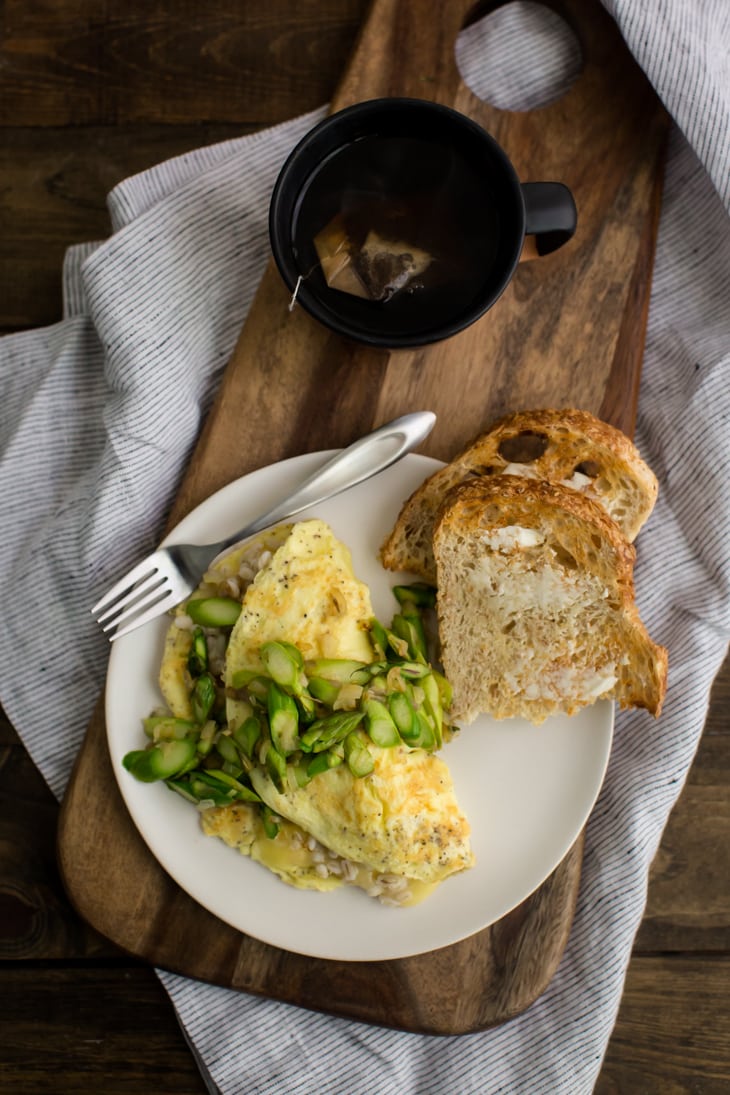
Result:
<point x="90" y="94"/>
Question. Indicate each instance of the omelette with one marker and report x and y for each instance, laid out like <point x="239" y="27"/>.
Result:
<point x="228" y="575"/>
<point x="396" y="831"/>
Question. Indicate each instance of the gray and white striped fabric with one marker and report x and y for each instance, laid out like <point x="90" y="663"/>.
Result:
<point x="99" y="415"/>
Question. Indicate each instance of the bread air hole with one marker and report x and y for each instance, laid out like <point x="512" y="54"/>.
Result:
<point x="589" y="468"/>
<point x="564" y="558"/>
<point x="523" y="447"/>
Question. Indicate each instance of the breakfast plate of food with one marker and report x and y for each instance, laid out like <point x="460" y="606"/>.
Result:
<point x="352" y="752"/>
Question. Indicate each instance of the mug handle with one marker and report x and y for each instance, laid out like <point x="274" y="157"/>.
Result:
<point x="550" y="215"/>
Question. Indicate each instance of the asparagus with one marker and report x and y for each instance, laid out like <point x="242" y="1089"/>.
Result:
<point x="284" y="664"/>
<point x="380" y="725"/>
<point x="418" y="594"/>
<point x="323" y="762"/>
<point x="358" y="756"/>
<point x="329" y="730"/>
<point x="341" y="670"/>
<point x="403" y="714"/>
<point x="247" y="735"/>
<point x="283" y="720"/>
<point x="161" y="761"/>
<point x="214" y="611"/>
<point x="203" y="697"/>
<point x="198" y="656"/>
<point x="167" y="728"/>
<point x="295" y="733"/>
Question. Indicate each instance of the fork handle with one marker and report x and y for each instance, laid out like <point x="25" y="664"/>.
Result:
<point x="360" y="461"/>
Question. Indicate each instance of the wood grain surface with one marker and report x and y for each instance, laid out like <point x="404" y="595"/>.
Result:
<point x="76" y="1014"/>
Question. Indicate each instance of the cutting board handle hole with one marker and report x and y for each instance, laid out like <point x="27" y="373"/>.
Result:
<point x="533" y="49"/>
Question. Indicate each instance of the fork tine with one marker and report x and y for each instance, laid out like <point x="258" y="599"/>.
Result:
<point x="141" y="613"/>
<point x="140" y="604"/>
<point x="148" y="567"/>
<point x="142" y="589"/>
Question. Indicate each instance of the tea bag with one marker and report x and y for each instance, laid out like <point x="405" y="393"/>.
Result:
<point x="334" y="252"/>
<point x="387" y="265"/>
<point x="375" y="271"/>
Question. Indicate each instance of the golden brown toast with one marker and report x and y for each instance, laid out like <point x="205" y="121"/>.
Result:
<point x="536" y="603"/>
<point x="563" y="446"/>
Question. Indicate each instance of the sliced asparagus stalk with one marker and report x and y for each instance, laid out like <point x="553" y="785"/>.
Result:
<point x="284" y="664"/>
<point x="403" y="714"/>
<point x="271" y="823"/>
<point x="323" y="690"/>
<point x="342" y="670"/>
<point x="410" y="629"/>
<point x="417" y="593"/>
<point x="167" y="727"/>
<point x="283" y="720"/>
<point x="380" y="725"/>
<point x="445" y="690"/>
<point x="379" y="637"/>
<point x="198" y="656"/>
<point x="433" y="707"/>
<point x="358" y="756"/>
<point x="247" y="735"/>
<point x="203" y="697"/>
<point x="306" y="707"/>
<point x="414" y="671"/>
<point x="206" y="792"/>
<point x="322" y="763"/>
<point x="161" y="761"/>
<point x="217" y="777"/>
<point x="424" y="736"/>
<point x="207" y="736"/>
<point x="325" y="732"/>
<point x="213" y="611"/>
<point x="276" y="766"/>
<point x="227" y="749"/>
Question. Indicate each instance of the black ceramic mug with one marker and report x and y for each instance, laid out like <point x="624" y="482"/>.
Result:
<point x="398" y="222"/>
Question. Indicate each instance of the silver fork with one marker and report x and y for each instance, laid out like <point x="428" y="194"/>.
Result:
<point x="171" y="573"/>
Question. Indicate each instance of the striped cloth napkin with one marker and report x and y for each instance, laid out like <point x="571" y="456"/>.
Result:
<point x="100" y="413"/>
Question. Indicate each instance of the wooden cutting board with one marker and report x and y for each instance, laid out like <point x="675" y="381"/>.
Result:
<point x="568" y="331"/>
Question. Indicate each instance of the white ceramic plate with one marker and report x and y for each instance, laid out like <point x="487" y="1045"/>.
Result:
<point x="526" y="790"/>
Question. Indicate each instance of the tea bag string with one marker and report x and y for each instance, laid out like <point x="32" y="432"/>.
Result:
<point x="300" y="279"/>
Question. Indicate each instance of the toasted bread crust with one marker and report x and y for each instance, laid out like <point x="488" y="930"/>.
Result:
<point x="510" y="499"/>
<point x="555" y="445"/>
<point x="578" y="547"/>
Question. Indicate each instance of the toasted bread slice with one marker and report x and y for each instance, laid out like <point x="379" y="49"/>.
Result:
<point x="563" y="446"/>
<point x="536" y="603"/>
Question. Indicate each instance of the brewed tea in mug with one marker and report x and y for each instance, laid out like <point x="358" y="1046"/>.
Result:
<point x="418" y="198"/>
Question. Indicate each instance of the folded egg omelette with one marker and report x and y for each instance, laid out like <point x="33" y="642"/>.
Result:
<point x="396" y="832"/>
